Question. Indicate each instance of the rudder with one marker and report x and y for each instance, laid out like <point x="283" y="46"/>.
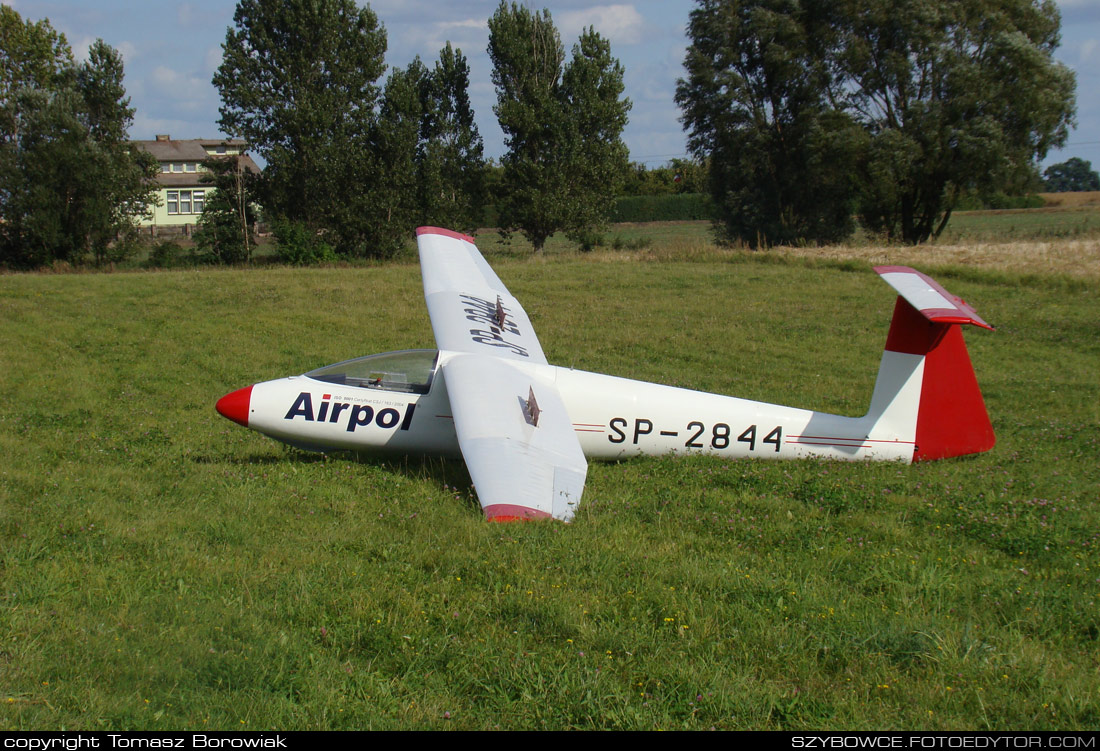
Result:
<point x="952" y="419"/>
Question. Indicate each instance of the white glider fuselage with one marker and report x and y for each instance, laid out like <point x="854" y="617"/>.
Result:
<point x="613" y="418"/>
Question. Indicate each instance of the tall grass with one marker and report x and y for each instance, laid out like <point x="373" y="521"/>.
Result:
<point x="163" y="568"/>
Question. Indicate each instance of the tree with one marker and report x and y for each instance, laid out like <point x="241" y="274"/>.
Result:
<point x="954" y="96"/>
<point x="595" y="116"/>
<point x="1076" y="174"/>
<point x="298" y="81"/>
<point x="395" y="208"/>
<point x="755" y="103"/>
<point x="562" y="125"/>
<point x="34" y="56"/>
<point x="922" y="100"/>
<point x="225" y="231"/>
<point x="428" y="153"/>
<point x="123" y="173"/>
<point x="71" y="185"/>
<point x="677" y="176"/>
<point x="452" y="165"/>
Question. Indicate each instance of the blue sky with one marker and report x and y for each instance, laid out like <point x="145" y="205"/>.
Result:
<point x="171" y="50"/>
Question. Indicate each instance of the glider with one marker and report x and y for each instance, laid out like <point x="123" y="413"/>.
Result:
<point x="526" y="428"/>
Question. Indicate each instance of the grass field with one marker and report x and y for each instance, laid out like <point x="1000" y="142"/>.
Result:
<point x="163" y="568"/>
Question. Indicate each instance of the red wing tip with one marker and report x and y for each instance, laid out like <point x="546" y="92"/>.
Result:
<point x="951" y="317"/>
<point x="507" y="512"/>
<point x="444" y="232"/>
<point x="235" y="405"/>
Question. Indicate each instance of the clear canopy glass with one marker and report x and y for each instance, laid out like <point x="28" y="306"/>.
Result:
<point x="409" y="371"/>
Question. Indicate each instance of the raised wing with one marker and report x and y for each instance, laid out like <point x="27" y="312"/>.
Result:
<point x="512" y="426"/>
<point x="517" y="440"/>
<point x="471" y="309"/>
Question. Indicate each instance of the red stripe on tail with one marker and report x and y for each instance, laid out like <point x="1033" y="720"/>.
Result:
<point x="952" y="419"/>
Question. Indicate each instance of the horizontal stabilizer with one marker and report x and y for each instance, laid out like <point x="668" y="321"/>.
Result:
<point x="928" y="298"/>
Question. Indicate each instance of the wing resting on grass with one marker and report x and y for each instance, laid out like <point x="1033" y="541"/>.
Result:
<point x="521" y="470"/>
<point x="514" y="431"/>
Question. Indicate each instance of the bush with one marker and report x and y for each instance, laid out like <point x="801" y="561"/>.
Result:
<point x="298" y="245"/>
<point x="168" y="255"/>
<point x="998" y="201"/>
<point x="663" y="208"/>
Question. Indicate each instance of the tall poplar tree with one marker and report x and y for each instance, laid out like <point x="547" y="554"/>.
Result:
<point x="562" y="125"/>
<point x="299" y="82"/>
<point x="452" y="165"/>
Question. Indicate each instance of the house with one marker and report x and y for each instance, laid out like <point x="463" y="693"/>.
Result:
<point x="182" y="193"/>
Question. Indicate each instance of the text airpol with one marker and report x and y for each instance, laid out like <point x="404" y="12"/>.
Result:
<point x="357" y="415"/>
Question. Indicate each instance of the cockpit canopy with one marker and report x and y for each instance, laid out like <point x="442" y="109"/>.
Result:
<point x="409" y="371"/>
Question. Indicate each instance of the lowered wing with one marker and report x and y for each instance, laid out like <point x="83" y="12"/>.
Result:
<point x="470" y="308"/>
<point x="517" y="440"/>
<point x="514" y="431"/>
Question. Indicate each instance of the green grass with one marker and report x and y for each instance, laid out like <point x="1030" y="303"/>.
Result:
<point x="1052" y="224"/>
<point x="163" y="568"/>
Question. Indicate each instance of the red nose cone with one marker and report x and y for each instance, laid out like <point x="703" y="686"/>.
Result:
<point x="234" y="406"/>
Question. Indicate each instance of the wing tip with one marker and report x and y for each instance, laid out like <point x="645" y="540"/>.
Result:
<point x="444" y="232"/>
<point x="507" y="512"/>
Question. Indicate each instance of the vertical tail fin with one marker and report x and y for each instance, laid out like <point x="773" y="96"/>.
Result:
<point x="951" y="418"/>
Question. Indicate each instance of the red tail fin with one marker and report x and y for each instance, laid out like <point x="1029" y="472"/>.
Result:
<point x="952" y="419"/>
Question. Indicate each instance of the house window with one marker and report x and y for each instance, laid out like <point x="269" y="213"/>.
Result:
<point x="219" y="149"/>
<point x="189" y="167"/>
<point x="165" y="167"/>
<point x="177" y="167"/>
<point x="185" y="201"/>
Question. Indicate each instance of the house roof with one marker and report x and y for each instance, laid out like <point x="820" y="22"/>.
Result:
<point x="165" y="149"/>
<point x="194" y="179"/>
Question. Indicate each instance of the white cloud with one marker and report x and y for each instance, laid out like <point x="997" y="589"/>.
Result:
<point x="187" y="14"/>
<point x="128" y="50"/>
<point x="181" y="92"/>
<point x="622" y="24"/>
<point x="470" y="35"/>
<point x="80" y="48"/>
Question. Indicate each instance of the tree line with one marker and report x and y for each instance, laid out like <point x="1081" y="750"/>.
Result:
<point x="815" y="112"/>
<point x="805" y="117"/>
<point x="354" y="163"/>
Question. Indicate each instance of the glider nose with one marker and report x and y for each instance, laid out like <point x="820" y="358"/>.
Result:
<point x="234" y="406"/>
